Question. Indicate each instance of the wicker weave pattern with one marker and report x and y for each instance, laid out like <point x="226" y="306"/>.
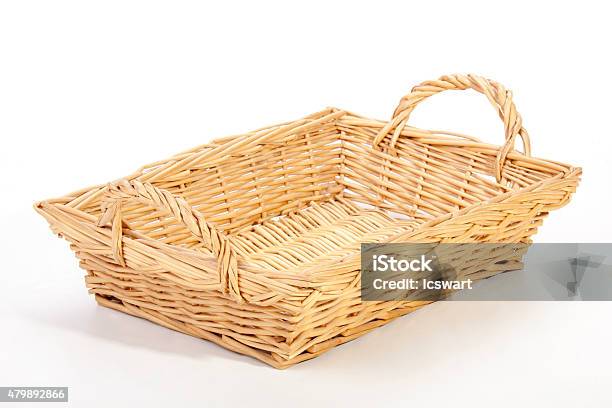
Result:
<point x="252" y="241"/>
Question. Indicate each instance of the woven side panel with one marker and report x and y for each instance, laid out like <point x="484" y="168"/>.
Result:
<point x="258" y="177"/>
<point x="427" y="174"/>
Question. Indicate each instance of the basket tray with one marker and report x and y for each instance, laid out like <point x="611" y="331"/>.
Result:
<point x="252" y="241"/>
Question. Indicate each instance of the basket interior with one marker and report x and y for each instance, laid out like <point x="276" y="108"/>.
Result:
<point x="252" y="182"/>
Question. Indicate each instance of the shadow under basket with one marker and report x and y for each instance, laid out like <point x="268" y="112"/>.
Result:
<point x="253" y="241"/>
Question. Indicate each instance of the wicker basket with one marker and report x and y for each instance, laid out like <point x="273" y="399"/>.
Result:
<point x="252" y="241"/>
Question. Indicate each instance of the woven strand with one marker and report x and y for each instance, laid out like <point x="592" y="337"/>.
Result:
<point x="147" y="194"/>
<point x="498" y="96"/>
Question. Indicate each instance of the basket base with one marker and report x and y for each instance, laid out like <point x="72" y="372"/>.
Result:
<point x="227" y="342"/>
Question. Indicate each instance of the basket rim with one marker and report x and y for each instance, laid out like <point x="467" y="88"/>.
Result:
<point x="452" y="137"/>
<point x="442" y="137"/>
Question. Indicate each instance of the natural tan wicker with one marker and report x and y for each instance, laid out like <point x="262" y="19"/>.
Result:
<point x="252" y="241"/>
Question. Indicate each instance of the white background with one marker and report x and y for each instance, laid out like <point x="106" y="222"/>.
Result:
<point x="91" y="91"/>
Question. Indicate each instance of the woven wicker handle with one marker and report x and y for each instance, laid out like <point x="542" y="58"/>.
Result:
<point x="500" y="98"/>
<point x="147" y="194"/>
